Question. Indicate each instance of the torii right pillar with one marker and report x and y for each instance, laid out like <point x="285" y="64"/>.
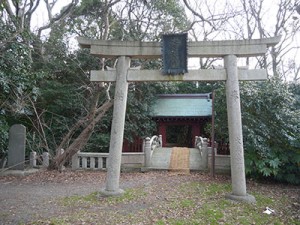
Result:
<point x="238" y="177"/>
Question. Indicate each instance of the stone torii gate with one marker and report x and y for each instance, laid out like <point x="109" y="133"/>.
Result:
<point x="228" y="50"/>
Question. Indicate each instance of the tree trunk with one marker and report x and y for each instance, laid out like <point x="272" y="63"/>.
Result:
<point x="60" y="159"/>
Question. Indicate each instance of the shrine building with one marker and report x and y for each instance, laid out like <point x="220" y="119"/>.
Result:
<point x="179" y="118"/>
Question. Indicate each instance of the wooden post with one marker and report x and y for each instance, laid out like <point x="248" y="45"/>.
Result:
<point x="212" y="171"/>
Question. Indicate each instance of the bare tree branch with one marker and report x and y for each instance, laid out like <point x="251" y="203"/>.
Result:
<point x="187" y="4"/>
<point x="63" y="13"/>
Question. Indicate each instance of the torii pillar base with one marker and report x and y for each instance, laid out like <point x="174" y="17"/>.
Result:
<point x="104" y="192"/>
<point x="244" y="198"/>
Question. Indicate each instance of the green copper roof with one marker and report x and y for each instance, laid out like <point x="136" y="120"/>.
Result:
<point x="183" y="105"/>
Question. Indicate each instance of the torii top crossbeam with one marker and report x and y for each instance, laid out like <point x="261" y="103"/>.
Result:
<point x="152" y="50"/>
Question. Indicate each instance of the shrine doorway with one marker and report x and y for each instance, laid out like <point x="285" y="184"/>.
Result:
<point x="181" y="132"/>
<point x="179" y="136"/>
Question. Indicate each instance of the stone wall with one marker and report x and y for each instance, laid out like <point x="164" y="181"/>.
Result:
<point x="137" y="160"/>
<point x="98" y="161"/>
<point x="222" y="162"/>
<point x="132" y="161"/>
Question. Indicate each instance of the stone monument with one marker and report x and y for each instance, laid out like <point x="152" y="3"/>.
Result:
<point x="16" y="147"/>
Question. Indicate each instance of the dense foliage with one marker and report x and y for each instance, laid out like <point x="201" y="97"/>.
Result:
<point x="18" y="83"/>
<point x="270" y="129"/>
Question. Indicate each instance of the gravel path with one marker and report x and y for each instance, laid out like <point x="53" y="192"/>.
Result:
<point x="24" y="198"/>
<point x="35" y="196"/>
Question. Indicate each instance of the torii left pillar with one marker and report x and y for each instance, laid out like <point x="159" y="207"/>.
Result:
<point x="117" y="129"/>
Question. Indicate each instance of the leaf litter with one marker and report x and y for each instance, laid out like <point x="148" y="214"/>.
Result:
<point x="72" y="197"/>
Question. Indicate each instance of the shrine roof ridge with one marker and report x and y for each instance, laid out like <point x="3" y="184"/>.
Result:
<point x="177" y="106"/>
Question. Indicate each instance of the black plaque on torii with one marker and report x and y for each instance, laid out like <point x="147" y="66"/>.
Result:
<point x="174" y="54"/>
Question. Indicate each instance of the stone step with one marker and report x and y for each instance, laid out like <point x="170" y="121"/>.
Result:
<point x="161" y="158"/>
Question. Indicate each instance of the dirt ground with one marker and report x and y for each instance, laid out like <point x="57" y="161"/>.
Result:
<point x="26" y="198"/>
<point x="34" y="197"/>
